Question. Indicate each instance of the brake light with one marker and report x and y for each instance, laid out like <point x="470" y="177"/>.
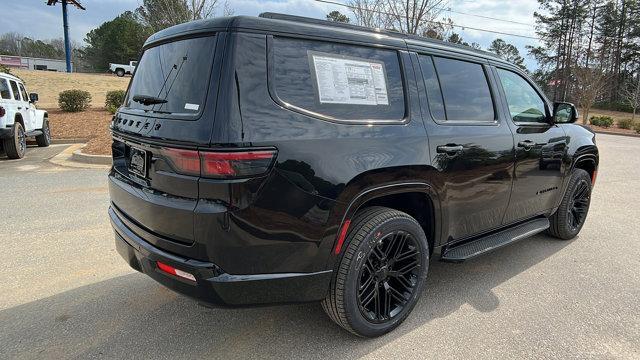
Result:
<point x="2" y="111"/>
<point x="173" y="271"/>
<point x="220" y="164"/>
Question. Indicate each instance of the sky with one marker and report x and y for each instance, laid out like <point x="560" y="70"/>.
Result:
<point x="35" y="19"/>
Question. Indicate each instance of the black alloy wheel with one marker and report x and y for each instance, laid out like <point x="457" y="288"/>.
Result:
<point x="568" y="220"/>
<point x="389" y="277"/>
<point x="577" y="211"/>
<point x="380" y="272"/>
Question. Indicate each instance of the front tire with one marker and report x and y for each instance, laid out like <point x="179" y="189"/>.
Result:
<point x="16" y="146"/>
<point x="120" y="72"/>
<point x="44" y="139"/>
<point x="568" y="220"/>
<point x="381" y="274"/>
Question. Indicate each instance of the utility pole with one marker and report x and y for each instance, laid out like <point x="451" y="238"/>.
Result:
<point x="65" y="23"/>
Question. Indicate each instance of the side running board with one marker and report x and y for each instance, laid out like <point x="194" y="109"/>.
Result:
<point x="468" y="250"/>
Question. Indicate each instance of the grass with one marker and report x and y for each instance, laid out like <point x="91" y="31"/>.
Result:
<point x="48" y="84"/>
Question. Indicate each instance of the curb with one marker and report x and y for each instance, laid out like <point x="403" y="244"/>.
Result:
<point x="81" y="157"/>
<point x="616" y="133"/>
<point x="69" y="158"/>
<point x="69" y="141"/>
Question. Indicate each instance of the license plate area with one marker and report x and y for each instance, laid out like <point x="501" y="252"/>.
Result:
<point x="138" y="159"/>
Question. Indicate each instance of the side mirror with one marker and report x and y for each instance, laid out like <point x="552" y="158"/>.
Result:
<point x="33" y="97"/>
<point x="564" y="113"/>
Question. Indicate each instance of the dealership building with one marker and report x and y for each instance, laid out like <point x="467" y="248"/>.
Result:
<point x="31" y="63"/>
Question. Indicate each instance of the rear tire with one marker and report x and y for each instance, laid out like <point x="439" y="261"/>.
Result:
<point x="568" y="220"/>
<point x="16" y="146"/>
<point x="45" y="139"/>
<point x="120" y="72"/>
<point x="381" y="274"/>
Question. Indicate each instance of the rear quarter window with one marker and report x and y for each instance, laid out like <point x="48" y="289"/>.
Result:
<point x="4" y="89"/>
<point x="336" y="81"/>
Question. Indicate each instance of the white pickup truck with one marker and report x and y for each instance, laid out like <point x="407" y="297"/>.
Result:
<point x="19" y="118"/>
<point x="121" y="69"/>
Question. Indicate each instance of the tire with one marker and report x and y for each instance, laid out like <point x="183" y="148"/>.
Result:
<point x="568" y="220"/>
<point x="45" y="139"/>
<point x="120" y="72"/>
<point x="16" y="146"/>
<point x="388" y="241"/>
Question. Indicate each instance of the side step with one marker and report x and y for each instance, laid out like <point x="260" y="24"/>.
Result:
<point x="468" y="250"/>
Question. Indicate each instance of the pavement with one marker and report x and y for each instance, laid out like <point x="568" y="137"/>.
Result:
<point x="65" y="292"/>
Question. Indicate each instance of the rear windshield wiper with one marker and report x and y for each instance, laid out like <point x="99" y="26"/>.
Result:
<point x="148" y="100"/>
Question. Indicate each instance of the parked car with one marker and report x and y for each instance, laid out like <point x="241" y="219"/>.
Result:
<point x="122" y="69"/>
<point x="293" y="159"/>
<point x="19" y="118"/>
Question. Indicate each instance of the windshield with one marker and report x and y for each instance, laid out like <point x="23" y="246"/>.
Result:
<point x="173" y="78"/>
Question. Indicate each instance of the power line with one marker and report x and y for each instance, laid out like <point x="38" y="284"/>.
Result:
<point x="463" y="27"/>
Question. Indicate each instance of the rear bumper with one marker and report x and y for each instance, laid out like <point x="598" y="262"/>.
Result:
<point x="212" y="285"/>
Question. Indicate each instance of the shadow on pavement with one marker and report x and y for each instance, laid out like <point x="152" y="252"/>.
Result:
<point x="132" y="316"/>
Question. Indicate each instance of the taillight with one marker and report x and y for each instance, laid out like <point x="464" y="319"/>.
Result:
<point x="2" y="111"/>
<point x="220" y="164"/>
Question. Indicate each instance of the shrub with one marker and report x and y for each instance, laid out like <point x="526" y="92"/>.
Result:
<point x="5" y="69"/>
<point x="114" y="99"/>
<point x="74" y="100"/>
<point x="625" y="123"/>
<point x="636" y="127"/>
<point x="602" y="121"/>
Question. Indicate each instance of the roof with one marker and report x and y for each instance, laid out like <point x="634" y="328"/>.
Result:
<point x="10" y="77"/>
<point x="290" y="24"/>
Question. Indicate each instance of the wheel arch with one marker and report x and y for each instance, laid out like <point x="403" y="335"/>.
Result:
<point x="18" y="119"/>
<point x="416" y="198"/>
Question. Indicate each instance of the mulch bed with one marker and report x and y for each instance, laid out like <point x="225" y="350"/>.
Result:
<point x="91" y="124"/>
<point x="614" y="130"/>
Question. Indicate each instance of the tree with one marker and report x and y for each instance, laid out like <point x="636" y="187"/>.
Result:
<point x="507" y="52"/>
<point x="631" y="96"/>
<point x="116" y="41"/>
<point x="369" y="13"/>
<point x="405" y="16"/>
<point x="337" y="16"/>
<point x="590" y="83"/>
<point x="161" y="14"/>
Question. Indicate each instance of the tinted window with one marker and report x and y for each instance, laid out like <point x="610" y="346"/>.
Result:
<point x="465" y="90"/>
<point x="434" y="95"/>
<point x="338" y="81"/>
<point x="14" y="89"/>
<point x="177" y="72"/>
<point x="525" y="105"/>
<point x="25" y="97"/>
<point x="4" y="89"/>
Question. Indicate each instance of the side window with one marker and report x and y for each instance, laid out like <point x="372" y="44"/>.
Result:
<point x="14" y="89"/>
<point x="25" y="97"/>
<point x="431" y="82"/>
<point x="525" y="105"/>
<point x="465" y="90"/>
<point x="4" y="89"/>
<point x="337" y="81"/>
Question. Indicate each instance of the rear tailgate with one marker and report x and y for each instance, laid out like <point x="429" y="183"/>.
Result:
<point x="170" y="104"/>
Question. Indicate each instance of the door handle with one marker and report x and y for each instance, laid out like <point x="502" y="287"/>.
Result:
<point x="526" y="144"/>
<point x="19" y="107"/>
<point x="449" y="149"/>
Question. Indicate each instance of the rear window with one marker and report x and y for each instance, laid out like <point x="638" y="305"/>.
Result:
<point x="337" y="81"/>
<point x="4" y="89"/>
<point x="176" y="74"/>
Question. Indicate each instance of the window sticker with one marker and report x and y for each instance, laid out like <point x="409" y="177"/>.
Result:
<point x="189" y="106"/>
<point x="342" y="80"/>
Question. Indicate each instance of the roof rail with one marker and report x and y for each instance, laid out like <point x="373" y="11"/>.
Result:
<point x="390" y="33"/>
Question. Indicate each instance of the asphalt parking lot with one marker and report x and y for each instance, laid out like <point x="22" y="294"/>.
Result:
<point x="65" y="292"/>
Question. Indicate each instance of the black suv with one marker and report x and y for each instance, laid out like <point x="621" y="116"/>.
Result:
<point x="281" y="159"/>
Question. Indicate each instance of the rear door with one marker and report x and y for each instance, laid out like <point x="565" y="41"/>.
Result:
<point x="471" y="145"/>
<point x="540" y="147"/>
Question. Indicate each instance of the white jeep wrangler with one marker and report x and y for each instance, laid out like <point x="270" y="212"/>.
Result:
<point x="19" y="118"/>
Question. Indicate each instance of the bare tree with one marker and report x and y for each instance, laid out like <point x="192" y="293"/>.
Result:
<point x="160" y="14"/>
<point x="590" y="84"/>
<point x="630" y="94"/>
<point x="414" y="16"/>
<point x="369" y="13"/>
